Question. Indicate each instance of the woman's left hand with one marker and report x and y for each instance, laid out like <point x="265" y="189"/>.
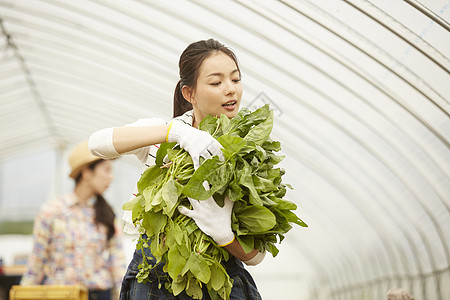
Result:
<point x="212" y="219"/>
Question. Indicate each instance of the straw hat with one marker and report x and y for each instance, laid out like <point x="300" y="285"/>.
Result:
<point x="80" y="157"/>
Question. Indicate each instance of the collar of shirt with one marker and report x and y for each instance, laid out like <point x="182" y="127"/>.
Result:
<point x="73" y="200"/>
<point x="187" y="117"/>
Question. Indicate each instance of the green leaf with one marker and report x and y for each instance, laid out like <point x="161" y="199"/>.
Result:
<point x="267" y="201"/>
<point x="209" y="124"/>
<point x="175" y="261"/>
<point x="271" y="145"/>
<point x="130" y="204"/>
<point x="199" y="267"/>
<point x="231" y="145"/>
<point x="150" y="176"/>
<point x="225" y="123"/>
<point x="172" y="153"/>
<point x="152" y="199"/>
<point x="263" y="185"/>
<point x="138" y="209"/>
<point x="162" y="152"/>
<point x="195" y="189"/>
<point x="217" y="277"/>
<point x="283" y="225"/>
<point x="179" y="285"/>
<point x="245" y="179"/>
<point x="247" y="120"/>
<point x="153" y="222"/>
<point x="273" y="159"/>
<point x="175" y="235"/>
<point x="256" y="218"/>
<point x="234" y="191"/>
<point x="272" y="249"/>
<point x="261" y="132"/>
<point x="292" y="217"/>
<point x="193" y="288"/>
<point x="283" y="204"/>
<point x="171" y="190"/>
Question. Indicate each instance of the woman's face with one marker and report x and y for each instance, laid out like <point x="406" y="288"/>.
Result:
<point x="101" y="176"/>
<point x="219" y="88"/>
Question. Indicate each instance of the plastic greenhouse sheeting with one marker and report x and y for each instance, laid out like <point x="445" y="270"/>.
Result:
<point x="360" y="90"/>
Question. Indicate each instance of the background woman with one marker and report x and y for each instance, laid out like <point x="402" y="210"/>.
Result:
<point x="75" y="239"/>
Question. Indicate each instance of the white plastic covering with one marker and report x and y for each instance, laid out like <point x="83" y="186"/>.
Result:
<point x="361" y="93"/>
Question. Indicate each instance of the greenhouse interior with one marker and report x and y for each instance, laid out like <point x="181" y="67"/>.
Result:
<point x="360" y="96"/>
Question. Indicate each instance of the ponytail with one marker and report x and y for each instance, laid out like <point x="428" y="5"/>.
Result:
<point x="180" y="105"/>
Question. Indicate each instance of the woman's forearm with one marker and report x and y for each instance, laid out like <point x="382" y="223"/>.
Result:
<point x="126" y="139"/>
<point x="112" y="142"/>
<point x="237" y="251"/>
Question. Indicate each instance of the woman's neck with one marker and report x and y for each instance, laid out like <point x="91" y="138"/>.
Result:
<point x="83" y="192"/>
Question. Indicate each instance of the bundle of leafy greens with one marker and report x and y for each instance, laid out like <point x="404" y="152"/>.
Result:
<point x="247" y="176"/>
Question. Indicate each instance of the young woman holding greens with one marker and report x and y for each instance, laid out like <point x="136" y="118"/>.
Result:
<point x="210" y="84"/>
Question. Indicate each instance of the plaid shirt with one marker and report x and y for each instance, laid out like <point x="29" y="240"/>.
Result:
<point x="70" y="248"/>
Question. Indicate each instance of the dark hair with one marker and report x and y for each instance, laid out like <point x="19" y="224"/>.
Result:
<point x="189" y="65"/>
<point x="103" y="211"/>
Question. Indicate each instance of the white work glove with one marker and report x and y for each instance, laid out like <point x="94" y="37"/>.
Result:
<point x="212" y="219"/>
<point x="197" y="142"/>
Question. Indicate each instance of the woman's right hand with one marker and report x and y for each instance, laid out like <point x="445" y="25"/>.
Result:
<point x="197" y="142"/>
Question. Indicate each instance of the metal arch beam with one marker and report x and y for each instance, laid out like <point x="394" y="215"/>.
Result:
<point x="118" y="25"/>
<point x="332" y="274"/>
<point x="95" y="85"/>
<point x="405" y="234"/>
<point x="429" y="13"/>
<point x="373" y="54"/>
<point x="338" y="185"/>
<point x="357" y="269"/>
<point x="401" y="31"/>
<point x="421" y="234"/>
<point x="32" y="86"/>
<point x="57" y="50"/>
<point x="385" y="65"/>
<point x="428" y="212"/>
<point x="381" y="57"/>
<point x="342" y="275"/>
<point x="348" y="256"/>
<point x="347" y="64"/>
<point x="94" y="33"/>
<point x="50" y="57"/>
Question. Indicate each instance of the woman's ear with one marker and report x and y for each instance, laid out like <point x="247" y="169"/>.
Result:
<point x="187" y="93"/>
